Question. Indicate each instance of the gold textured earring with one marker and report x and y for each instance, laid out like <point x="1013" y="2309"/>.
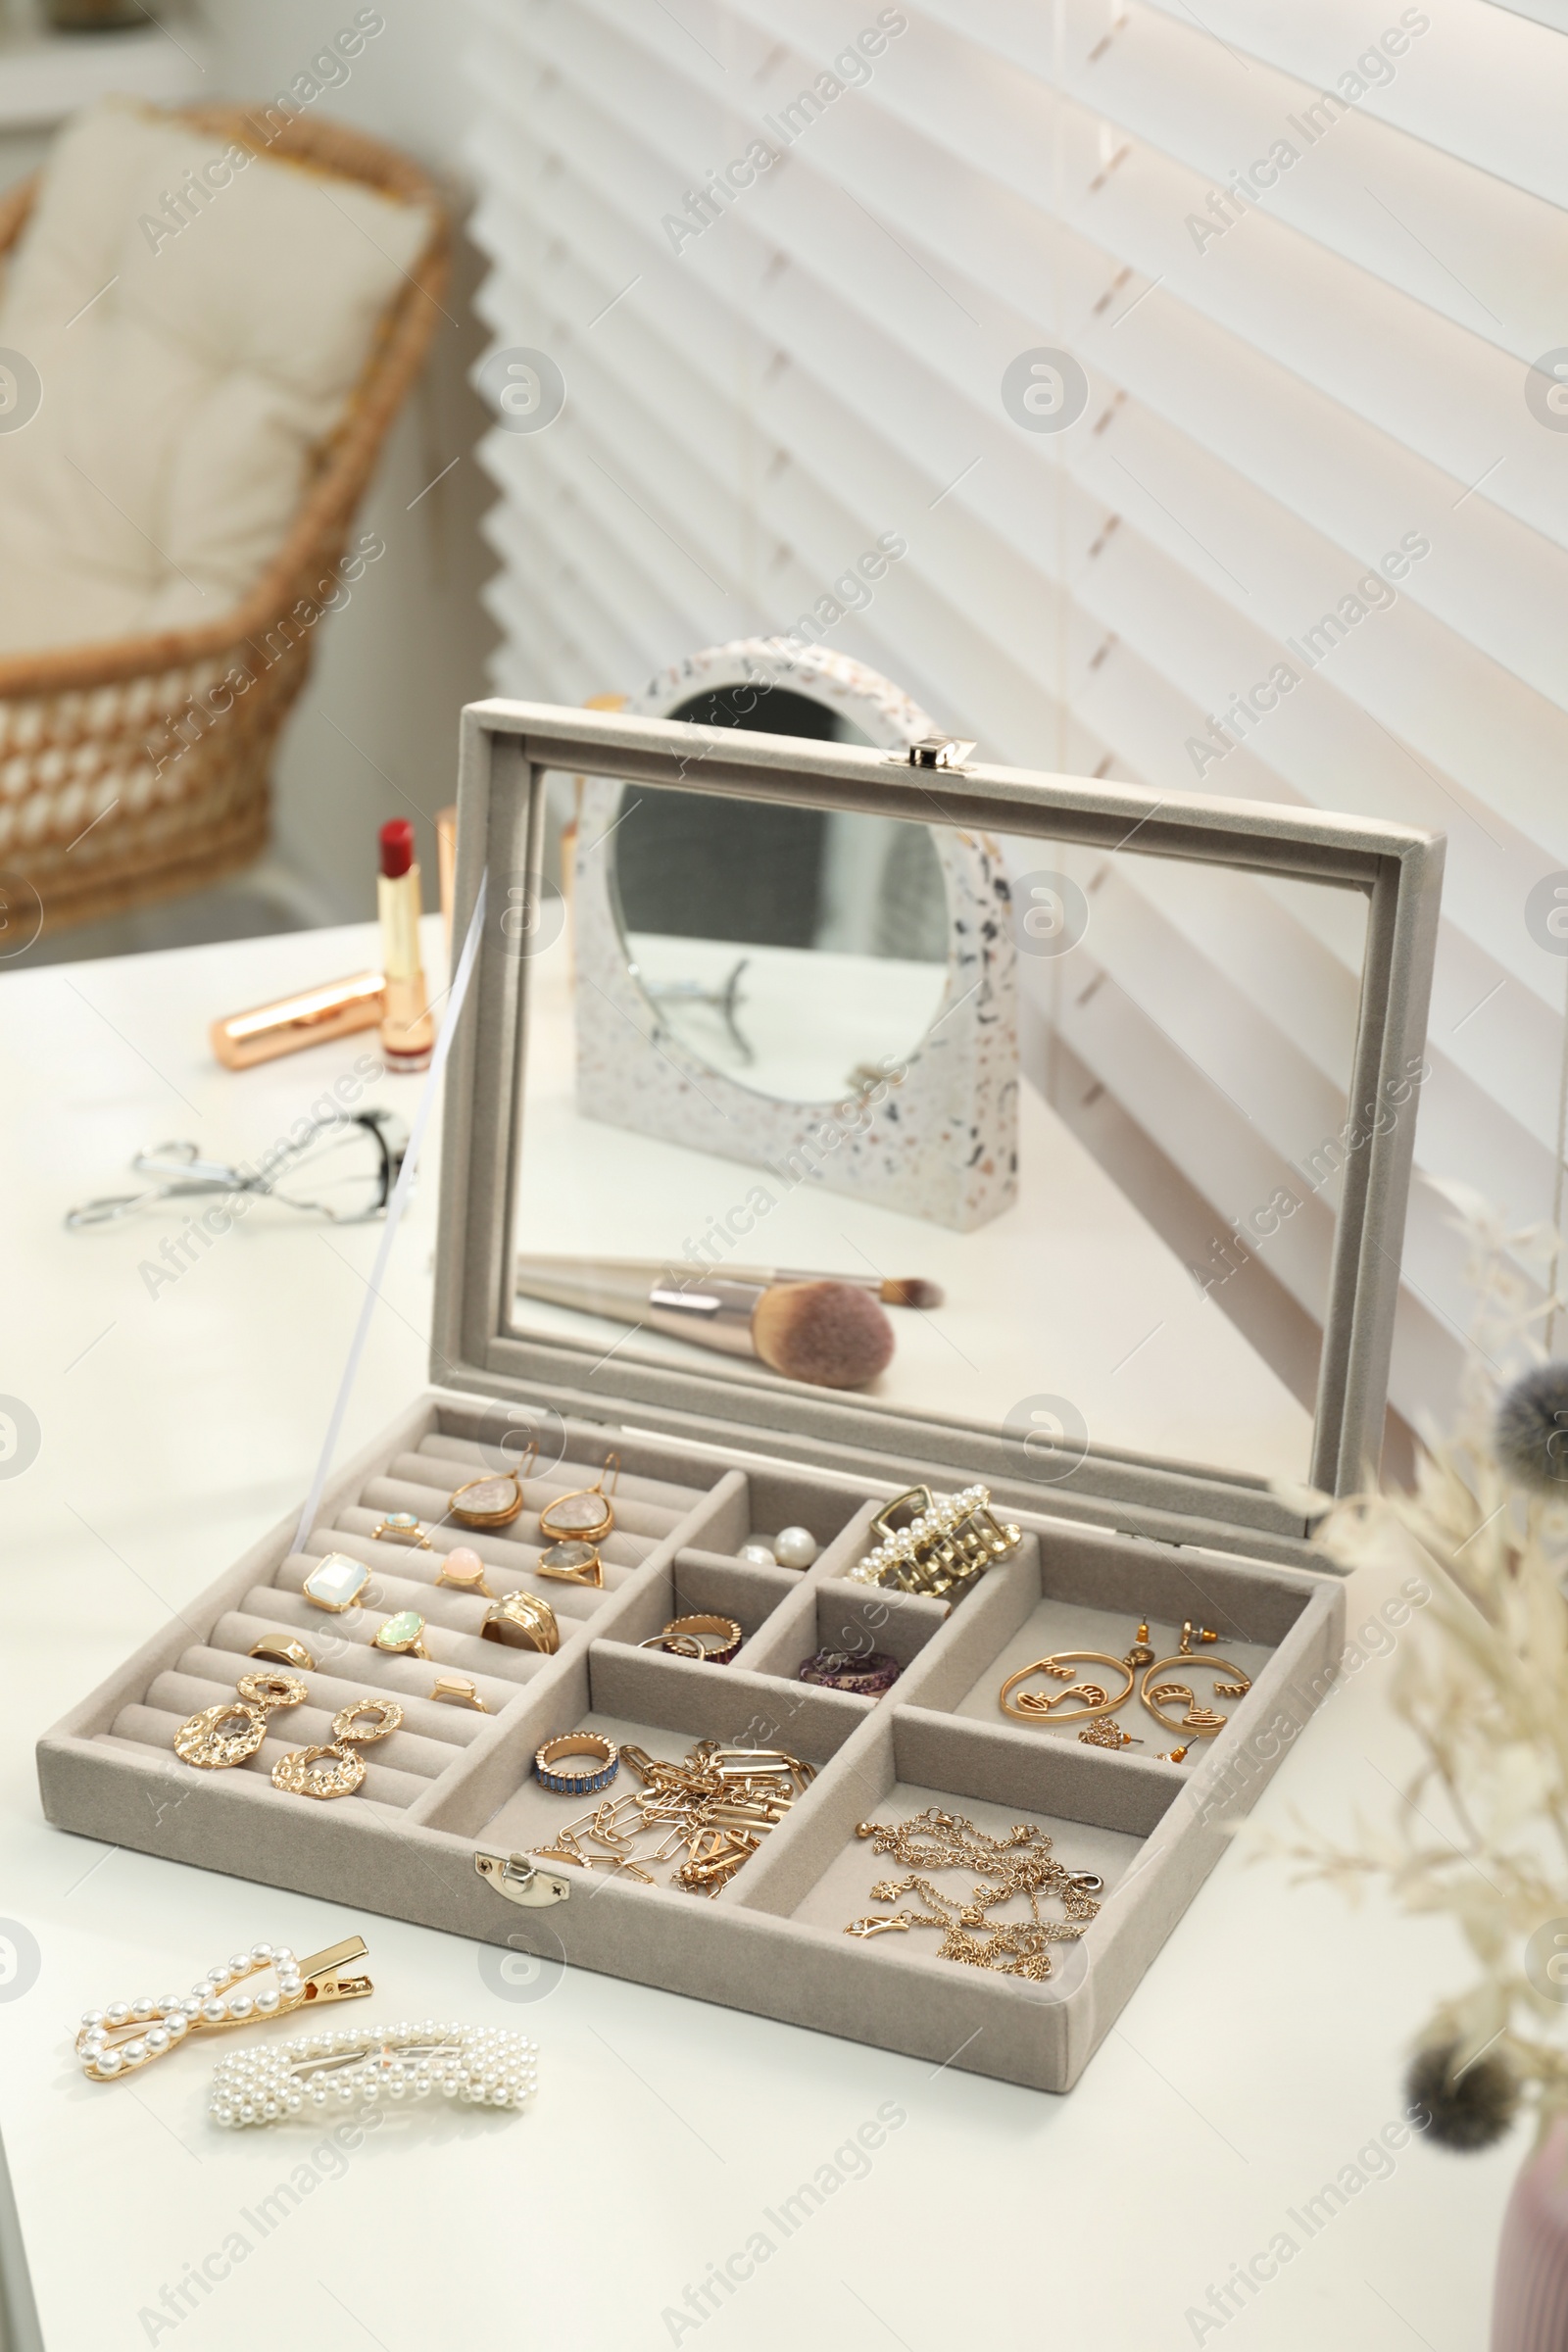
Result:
<point x="217" y="1737"/>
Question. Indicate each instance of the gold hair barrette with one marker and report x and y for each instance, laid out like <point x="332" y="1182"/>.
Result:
<point x="129" y="2034"/>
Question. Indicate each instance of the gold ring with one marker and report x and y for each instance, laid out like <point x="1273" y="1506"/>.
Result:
<point x="574" y="1562"/>
<point x="401" y="1527"/>
<point x="605" y="1763"/>
<point x="717" y="1638"/>
<point x="403" y="1636"/>
<point x="460" y="1691"/>
<point x="336" y="1583"/>
<point x="283" y="1651"/>
<point x="522" y="1621"/>
<point x="463" y="1569"/>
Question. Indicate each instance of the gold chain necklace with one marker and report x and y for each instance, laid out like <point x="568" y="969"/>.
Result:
<point x="1021" y="1863"/>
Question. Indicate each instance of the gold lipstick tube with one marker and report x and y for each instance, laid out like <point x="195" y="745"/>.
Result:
<point x="408" y="1026"/>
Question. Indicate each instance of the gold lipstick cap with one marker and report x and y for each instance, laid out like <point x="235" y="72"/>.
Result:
<point x="312" y="1017"/>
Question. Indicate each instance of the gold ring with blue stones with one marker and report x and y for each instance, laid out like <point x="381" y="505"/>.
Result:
<point x="607" y="1763"/>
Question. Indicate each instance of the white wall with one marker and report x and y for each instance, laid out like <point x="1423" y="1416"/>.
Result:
<point x="374" y="734"/>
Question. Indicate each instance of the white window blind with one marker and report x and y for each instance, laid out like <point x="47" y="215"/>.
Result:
<point x="1306" y="259"/>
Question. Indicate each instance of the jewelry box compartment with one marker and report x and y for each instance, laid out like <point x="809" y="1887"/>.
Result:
<point x="681" y="1515"/>
<point x="654" y="1703"/>
<point x="824" y="1874"/>
<point x="1072" y="1589"/>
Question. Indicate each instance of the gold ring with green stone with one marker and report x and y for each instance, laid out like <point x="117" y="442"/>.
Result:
<point x="403" y="1636"/>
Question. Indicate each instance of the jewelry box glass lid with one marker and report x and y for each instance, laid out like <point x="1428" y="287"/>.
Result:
<point x="1098" y="1105"/>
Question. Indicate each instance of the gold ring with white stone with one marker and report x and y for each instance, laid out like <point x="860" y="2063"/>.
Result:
<point x="401" y="1527"/>
<point x="336" y="1583"/>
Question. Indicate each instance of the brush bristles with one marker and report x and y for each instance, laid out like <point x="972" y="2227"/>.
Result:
<point x="913" y="1292"/>
<point x="828" y="1333"/>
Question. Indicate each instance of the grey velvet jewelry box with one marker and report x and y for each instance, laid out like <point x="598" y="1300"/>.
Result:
<point x="440" y="1831"/>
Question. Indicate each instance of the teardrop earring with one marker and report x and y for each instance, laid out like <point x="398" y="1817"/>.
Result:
<point x="586" y="1514"/>
<point x="492" y="1500"/>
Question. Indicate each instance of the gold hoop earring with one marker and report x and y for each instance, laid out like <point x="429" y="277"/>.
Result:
<point x="1036" y="1706"/>
<point x="590" y="1524"/>
<point x="1201" y="1720"/>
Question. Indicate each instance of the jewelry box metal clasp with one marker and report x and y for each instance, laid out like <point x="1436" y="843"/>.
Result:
<point x="520" y="1880"/>
<point x="938" y="751"/>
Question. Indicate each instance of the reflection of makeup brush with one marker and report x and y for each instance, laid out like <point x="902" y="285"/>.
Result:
<point x="832" y="1334"/>
<point x="911" y="1290"/>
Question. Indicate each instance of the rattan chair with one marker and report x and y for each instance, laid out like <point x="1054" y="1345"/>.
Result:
<point x="153" y="729"/>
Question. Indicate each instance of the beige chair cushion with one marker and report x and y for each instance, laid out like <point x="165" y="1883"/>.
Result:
<point x="188" y="372"/>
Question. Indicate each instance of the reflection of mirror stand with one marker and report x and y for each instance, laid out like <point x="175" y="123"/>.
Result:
<point x="724" y="998"/>
<point x="932" y="1131"/>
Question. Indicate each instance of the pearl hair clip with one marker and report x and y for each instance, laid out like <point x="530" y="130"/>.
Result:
<point x="485" y="2066"/>
<point x="127" y="2034"/>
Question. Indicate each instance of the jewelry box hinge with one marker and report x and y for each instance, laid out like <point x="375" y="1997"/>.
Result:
<point x="938" y="751"/>
<point x="520" y="1880"/>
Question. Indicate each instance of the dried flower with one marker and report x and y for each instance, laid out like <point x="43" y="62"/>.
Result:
<point x="1483" y="1682"/>
<point x="1467" y="2109"/>
<point x="1530" y="1435"/>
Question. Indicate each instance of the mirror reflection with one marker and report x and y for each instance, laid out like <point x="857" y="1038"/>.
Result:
<point x="1071" y="1122"/>
<point x="795" y="950"/>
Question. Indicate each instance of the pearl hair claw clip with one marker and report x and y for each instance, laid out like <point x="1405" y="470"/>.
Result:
<point x="128" y="2035"/>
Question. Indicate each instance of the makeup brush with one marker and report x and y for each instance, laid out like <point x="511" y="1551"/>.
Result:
<point x="894" y="1289"/>
<point x="832" y="1334"/>
<point x="910" y="1290"/>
